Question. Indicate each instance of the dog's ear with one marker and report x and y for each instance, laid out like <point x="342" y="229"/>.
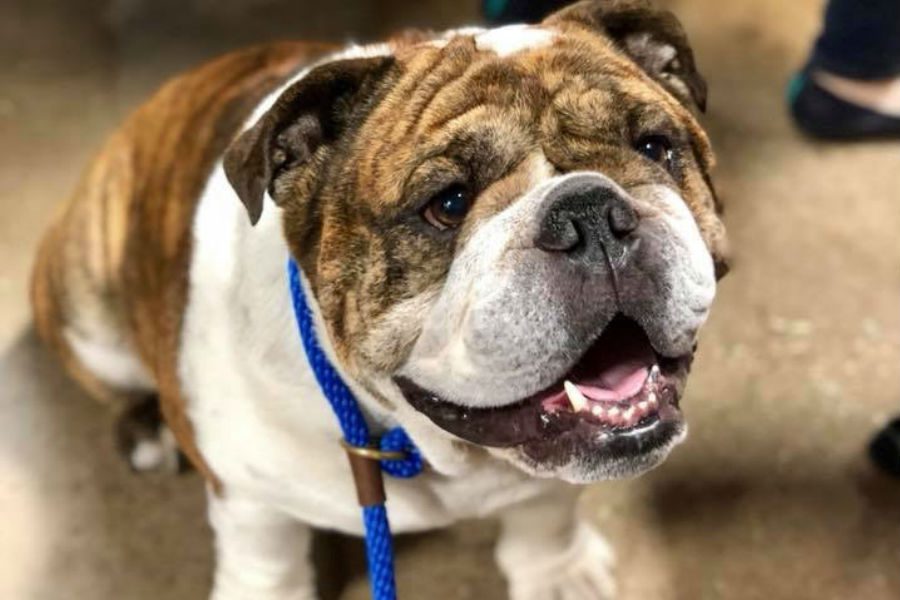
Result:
<point x="310" y="114"/>
<point x="652" y="37"/>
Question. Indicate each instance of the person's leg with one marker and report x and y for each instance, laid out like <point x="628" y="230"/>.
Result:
<point x="851" y="86"/>
<point x="860" y="40"/>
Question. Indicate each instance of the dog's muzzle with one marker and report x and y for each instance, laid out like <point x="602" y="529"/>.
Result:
<point x="574" y="315"/>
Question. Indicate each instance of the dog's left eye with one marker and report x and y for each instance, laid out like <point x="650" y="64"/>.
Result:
<point x="448" y="208"/>
<point x="657" y="148"/>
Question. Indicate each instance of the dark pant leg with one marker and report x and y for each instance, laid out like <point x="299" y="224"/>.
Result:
<point x="501" y="12"/>
<point x="860" y="40"/>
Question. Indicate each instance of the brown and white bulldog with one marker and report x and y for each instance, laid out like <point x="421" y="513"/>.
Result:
<point x="509" y="240"/>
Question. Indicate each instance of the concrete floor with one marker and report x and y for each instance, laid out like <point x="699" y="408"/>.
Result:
<point x="771" y="497"/>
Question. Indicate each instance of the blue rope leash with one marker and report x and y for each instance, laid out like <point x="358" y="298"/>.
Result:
<point x="379" y="548"/>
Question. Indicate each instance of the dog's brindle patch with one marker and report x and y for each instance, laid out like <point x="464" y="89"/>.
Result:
<point x="453" y="114"/>
<point x="121" y="245"/>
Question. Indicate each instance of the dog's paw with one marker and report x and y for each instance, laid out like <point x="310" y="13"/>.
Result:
<point x="145" y="441"/>
<point x="583" y="572"/>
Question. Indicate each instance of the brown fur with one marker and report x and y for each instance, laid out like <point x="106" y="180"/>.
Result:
<point x="119" y="250"/>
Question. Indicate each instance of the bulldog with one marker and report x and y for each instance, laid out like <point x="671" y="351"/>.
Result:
<point x="509" y="241"/>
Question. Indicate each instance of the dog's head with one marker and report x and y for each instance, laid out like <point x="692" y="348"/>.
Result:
<point x="511" y="232"/>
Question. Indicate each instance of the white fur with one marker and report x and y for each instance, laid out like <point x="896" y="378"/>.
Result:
<point x="692" y="272"/>
<point x="110" y="360"/>
<point x="262" y="553"/>
<point x="541" y="564"/>
<point x="503" y="41"/>
<point x="511" y="39"/>
<point x="448" y="35"/>
<point x="159" y="454"/>
<point x="146" y="455"/>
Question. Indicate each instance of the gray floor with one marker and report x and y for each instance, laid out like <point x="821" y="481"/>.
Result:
<point x="770" y="498"/>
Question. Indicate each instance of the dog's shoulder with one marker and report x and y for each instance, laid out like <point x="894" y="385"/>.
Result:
<point x="114" y="265"/>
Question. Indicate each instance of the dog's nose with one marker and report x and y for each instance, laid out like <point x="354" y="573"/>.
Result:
<point x="589" y="218"/>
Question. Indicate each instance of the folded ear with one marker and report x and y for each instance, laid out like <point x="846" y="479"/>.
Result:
<point x="652" y="37"/>
<point x="309" y="115"/>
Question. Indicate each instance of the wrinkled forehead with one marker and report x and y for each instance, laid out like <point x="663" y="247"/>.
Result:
<point x="498" y="94"/>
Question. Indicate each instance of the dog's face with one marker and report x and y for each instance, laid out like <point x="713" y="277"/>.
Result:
<point x="511" y="231"/>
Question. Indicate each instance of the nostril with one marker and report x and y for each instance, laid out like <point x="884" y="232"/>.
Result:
<point x="558" y="234"/>
<point x="622" y="219"/>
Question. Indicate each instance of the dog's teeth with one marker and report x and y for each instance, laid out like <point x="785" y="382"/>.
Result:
<point x="643" y="405"/>
<point x="651" y="399"/>
<point x="628" y="414"/>
<point x="579" y="402"/>
<point x="654" y="372"/>
<point x="613" y="412"/>
<point x="598" y="411"/>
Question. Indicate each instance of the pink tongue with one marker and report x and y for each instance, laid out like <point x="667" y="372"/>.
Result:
<point x="618" y="382"/>
<point x="626" y="378"/>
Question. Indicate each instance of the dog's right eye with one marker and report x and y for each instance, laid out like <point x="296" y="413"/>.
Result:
<point x="448" y="208"/>
<point x="657" y="148"/>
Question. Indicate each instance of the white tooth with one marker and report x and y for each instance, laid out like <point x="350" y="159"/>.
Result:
<point x="613" y="412"/>
<point x="579" y="402"/>
<point x="654" y="372"/>
<point x="628" y="414"/>
<point x="652" y="399"/>
<point x="643" y="405"/>
<point x="598" y="411"/>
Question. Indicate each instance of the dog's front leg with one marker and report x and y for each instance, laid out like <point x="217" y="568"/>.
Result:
<point x="546" y="551"/>
<point x="261" y="553"/>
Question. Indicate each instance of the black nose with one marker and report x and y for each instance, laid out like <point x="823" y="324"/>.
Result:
<point x="589" y="219"/>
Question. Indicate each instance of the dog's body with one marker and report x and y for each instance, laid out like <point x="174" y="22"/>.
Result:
<point x="154" y="281"/>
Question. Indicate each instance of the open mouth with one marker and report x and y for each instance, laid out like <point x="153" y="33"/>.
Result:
<point x="619" y="388"/>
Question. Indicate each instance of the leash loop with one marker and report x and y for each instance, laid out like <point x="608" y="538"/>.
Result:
<point x="373" y="452"/>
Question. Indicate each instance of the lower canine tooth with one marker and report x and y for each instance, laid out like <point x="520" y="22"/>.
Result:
<point x="579" y="402"/>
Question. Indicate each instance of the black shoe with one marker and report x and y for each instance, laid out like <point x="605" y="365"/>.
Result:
<point x="821" y="114"/>
<point x="885" y="449"/>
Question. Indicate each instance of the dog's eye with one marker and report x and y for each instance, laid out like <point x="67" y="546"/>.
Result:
<point x="657" y="148"/>
<point x="448" y="208"/>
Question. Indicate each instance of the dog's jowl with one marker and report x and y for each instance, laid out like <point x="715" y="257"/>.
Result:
<point x="509" y="240"/>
